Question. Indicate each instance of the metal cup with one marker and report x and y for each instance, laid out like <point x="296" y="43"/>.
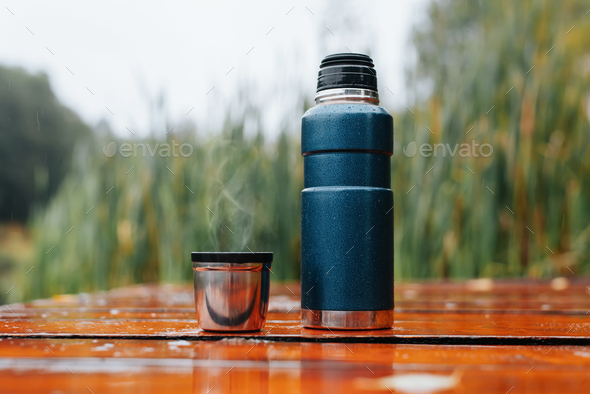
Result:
<point x="231" y="290"/>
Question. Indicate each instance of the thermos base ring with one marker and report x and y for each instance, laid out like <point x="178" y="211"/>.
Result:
<point x="347" y="320"/>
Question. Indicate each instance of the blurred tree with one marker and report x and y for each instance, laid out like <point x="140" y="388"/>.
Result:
<point x="37" y="136"/>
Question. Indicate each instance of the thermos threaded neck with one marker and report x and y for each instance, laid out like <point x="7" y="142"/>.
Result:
<point x="347" y="70"/>
<point x="347" y="76"/>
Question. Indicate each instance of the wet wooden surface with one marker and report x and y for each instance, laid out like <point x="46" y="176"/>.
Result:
<point x="477" y="336"/>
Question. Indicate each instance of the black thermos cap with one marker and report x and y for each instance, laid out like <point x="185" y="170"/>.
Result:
<point x="347" y="70"/>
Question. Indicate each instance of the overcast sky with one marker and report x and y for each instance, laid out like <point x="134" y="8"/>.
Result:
<point x="111" y="59"/>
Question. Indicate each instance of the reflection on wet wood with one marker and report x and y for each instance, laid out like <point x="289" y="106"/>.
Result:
<point x="252" y="366"/>
<point x="145" y="339"/>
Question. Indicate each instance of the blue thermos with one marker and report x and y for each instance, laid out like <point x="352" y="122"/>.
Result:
<point x="347" y="202"/>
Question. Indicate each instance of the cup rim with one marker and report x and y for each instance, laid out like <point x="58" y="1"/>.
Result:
<point x="231" y="257"/>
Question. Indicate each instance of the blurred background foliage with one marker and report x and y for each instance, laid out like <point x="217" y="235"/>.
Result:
<point x="514" y="75"/>
<point x="121" y="220"/>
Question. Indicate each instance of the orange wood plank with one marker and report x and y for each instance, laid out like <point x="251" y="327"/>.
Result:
<point x="417" y="326"/>
<point x="430" y="313"/>
<point x="247" y="366"/>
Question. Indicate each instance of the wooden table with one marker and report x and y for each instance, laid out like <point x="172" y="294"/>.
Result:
<point x="473" y="337"/>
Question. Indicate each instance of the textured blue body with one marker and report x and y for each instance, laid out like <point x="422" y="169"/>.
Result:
<point x="346" y="208"/>
<point x="346" y="169"/>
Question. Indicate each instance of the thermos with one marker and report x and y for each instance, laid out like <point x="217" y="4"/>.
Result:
<point x="347" y="202"/>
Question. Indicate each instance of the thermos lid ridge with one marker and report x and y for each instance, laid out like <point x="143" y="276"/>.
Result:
<point x="232" y="257"/>
<point x="347" y="70"/>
